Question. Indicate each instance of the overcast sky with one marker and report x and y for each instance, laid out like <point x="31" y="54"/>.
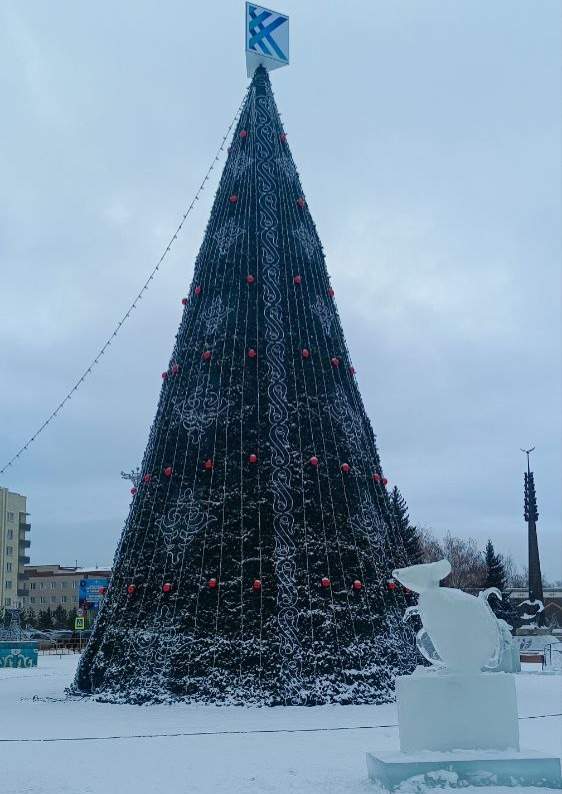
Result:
<point x="427" y="135"/>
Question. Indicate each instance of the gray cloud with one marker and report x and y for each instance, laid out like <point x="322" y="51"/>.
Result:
<point x="428" y="139"/>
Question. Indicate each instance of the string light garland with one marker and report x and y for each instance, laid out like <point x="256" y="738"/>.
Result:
<point x="135" y="301"/>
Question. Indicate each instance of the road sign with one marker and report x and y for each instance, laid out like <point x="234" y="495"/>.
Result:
<point x="79" y="624"/>
<point x="267" y="38"/>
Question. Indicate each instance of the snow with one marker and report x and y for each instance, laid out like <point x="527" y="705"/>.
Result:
<point x="50" y="745"/>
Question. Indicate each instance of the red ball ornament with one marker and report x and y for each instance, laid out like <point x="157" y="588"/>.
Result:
<point x="297" y="279"/>
<point x="133" y="491"/>
<point x="325" y="582"/>
<point x="253" y="458"/>
<point x="384" y="481"/>
<point x="305" y="353"/>
<point x="300" y="201"/>
<point x="331" y="293"/>
<point x="147" y="478"/>
<point x="252" y="353"/>
<point x="376" y="478"/>
<point x="168" y="471"/>
<point x="335" y="361"/>
<point x="391" y="584"/>
<point x="102" y="590"/>
<point x="256" y="586"/>
<point x="197" y="290"/>
<point x="283" y="137"/>
<point x="345" y="467"/>
<point x="164" y="375"/>
<point x="184" y="301"/>
<point x="357" y="584"/>
<point x="250" y="279"/>
<point x="212" y="584"/>
<point x="131" y="588"/>
<point x="313" y="461"/>
<point x="233" y="199"/>
<point x="206" y="355"/>
<point x="208" y="465"/>
<point x="352" y="370"/>
<point x="167" y="587"/>
<point x="243" y="134"/>
<point x="175" y="369"/>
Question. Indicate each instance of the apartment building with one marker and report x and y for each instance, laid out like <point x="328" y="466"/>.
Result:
<point x="57" y="585"/>
<point x="14" y="543"/>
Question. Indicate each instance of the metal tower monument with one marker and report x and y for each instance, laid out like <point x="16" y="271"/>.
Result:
<point x="531" y="517"/>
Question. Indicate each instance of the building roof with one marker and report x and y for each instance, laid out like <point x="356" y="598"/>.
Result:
<point x="65" y="570"/>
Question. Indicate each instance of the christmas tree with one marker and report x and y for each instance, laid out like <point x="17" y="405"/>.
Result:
<point x="255" y="566"/>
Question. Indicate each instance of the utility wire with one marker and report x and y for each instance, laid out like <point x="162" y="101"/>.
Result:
<point x="134" y="303"/>
<point x="228" y="733"/>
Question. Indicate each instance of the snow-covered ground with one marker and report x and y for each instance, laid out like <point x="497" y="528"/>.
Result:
<point x="50" y="745"/>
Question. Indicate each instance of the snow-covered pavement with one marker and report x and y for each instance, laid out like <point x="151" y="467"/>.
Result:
<point x="82" y="747"/>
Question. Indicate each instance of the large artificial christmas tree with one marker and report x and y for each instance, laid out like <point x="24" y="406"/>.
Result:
<point x="256" y="563"/>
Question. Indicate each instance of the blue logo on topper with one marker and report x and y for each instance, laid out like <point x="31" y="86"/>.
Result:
<point x="267" y="38"/>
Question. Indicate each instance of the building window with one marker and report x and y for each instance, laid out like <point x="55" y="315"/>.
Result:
<point x="33" y="585"/>
<point x="53" y="585"/>
<point x="11" y="516"/>
<point x="64" y="599"/>
<point x="9" y="550"/>
<point x="64" y="584"/>
<point x="42" y="585"/>
<point x="32" y="599"/>
<point x="8" y="584"/>
<point x="8" y="602"/>
<point x="10" y="534"/>
<point x="9" y="567"/>
<point x="42" y="600"/>
<point x="53" y="599"/>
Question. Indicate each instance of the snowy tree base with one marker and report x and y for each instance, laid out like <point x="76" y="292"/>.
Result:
<point x="419" y="771"/>
<point x="357" y="688"/>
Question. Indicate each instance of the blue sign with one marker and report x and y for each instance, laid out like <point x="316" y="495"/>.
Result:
<point x="267" y="38"/>
<point x="18" y="654"/>
<point x="91" y="592"/>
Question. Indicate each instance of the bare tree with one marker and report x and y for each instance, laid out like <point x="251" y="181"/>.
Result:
<point x="467" y="561"/>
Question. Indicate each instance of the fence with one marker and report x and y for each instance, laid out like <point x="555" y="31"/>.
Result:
<point x="61" y="647"/>
<point x="552" y="656"/>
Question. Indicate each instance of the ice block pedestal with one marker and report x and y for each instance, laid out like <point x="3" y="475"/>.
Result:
<point x="447" y="711"/>
<point x="460" y="728"/>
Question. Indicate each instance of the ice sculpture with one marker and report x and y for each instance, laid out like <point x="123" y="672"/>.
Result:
<point x="457" y="715"/>
<point x="461" y="627"/>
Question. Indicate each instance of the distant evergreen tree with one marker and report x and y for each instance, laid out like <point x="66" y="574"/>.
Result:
<point x="496" y="577"/>
<point x="60" y="617"/>
<point x="45" y="619"/>
<point x="408" y="533"/>
<point x="70" y="618"/>
<point x="28" y="618"/>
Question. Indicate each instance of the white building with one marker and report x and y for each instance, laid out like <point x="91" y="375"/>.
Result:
<point x="13" y="548"/>
<point x="57" y="585"/>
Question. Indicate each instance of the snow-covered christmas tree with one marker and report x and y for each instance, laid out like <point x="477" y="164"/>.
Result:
<point x="255" y="566"/>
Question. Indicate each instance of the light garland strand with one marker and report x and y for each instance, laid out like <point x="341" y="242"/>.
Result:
<point x="134" y="303"/>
